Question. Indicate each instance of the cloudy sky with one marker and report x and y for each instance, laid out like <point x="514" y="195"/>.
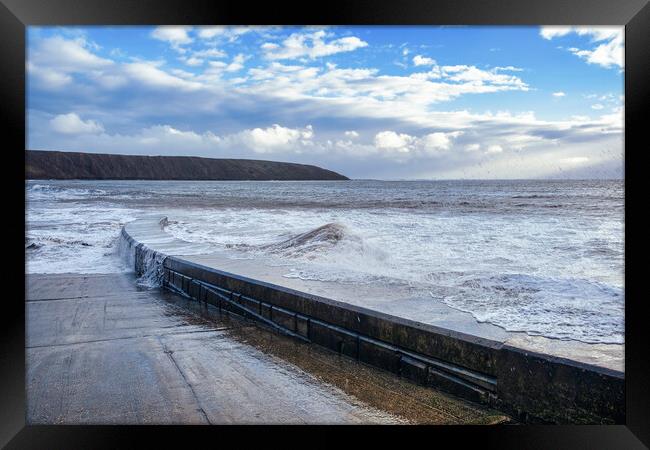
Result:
<point x="369" y="102"/>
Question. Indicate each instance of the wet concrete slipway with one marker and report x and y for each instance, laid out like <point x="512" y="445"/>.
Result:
<point x="102" y="350"/>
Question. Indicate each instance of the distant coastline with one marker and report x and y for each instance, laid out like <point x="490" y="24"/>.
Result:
<point x="47" y="165"/>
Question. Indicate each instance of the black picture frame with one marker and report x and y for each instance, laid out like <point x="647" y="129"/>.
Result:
<point x="15" y="15"/>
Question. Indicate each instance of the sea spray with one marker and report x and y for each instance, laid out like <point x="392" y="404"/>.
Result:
<point x="149" y="266"/>
<point x="146" y="262"/>
<point x="126" y="249"/>
<point x="310" y="243"/>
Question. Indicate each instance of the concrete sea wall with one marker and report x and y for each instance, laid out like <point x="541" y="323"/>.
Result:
<point x="532" y="387"/>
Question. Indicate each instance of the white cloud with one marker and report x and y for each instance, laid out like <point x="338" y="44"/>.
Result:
<point x="193" y="61"/>
<point x="508" y="69"/>
<point x="68" y="55"/>
<point x="596" y="33"/>
<point x="439" y="141"/>
<point x="420" y="60"/>
<point x="472" y="74"/>
<point x="274" y="138"/>
<point x="210" y="32"/>
<point x="559" y="94"/>
<point x="597" y="106"/>
<point x="494" y="149"/>
<point x="351" y="134"/>
<point x="607" y="43"/>
<point x="269" y="46"/>
<point x="365" y="89"/>
<point x="311" y="45"/>
<point x="431" y="143"/>
<point x="231" y="33"/>
<point x="574" y="160"/>
<point x="472" y="147"/>
<point x="389" y="140"/>
<point x="150" y="75"/>
<point x="58" y="62"/>
<point x="209" y="53"/>
<point x="606" y="55"/>
<point x="307" y="133"/>
<point x="522" y="140"/>
<point x="551" y="32"/>
<point x="174" y="35"/>
<point x="167" y="135"/>
<point x="48" y="77"/>
<point x="236" y="64"/>
<point x="54" y="60"/>
<point x="71" y="123"/>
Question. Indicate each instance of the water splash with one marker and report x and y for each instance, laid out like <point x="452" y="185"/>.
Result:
<point x="149" y="266"/>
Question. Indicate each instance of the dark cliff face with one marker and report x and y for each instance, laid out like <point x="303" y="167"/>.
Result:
<point x="95" y="166"/>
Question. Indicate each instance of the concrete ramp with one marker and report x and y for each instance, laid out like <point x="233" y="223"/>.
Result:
<point x="101" y="350"/>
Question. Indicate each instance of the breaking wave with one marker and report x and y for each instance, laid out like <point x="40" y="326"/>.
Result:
<point x="34" y="243"/>
<point x="53" y="193"/>
<point x="312" y="242"/>
<point x="533" y="196"/>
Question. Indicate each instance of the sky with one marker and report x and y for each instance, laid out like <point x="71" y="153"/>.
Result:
<point x="375" y="102"/>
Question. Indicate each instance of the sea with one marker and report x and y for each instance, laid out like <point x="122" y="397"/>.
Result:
<point x="543" y="257"/>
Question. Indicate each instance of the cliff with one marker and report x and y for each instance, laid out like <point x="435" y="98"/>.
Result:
<point x="84" y="166"/>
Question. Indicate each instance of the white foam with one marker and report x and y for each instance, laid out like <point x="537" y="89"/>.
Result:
<point x="75" y="239"/>
<point x="508" y="271"/>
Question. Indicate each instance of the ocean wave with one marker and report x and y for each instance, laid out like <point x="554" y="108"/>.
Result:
<point x="39" y="192"/>
<point x="562" y="308"/>
<point x="309" y="244"/>
<point x="41" y="241"/>
<point x="531" y="205"/>
<point x="533" y="196"/>
<point x="41" y="187"/>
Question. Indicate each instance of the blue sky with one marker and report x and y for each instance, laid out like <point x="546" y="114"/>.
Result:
<point x="390" y="102"/>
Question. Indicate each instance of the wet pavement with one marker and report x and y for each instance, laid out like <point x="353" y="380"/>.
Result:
<point x="101" y="350"/>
